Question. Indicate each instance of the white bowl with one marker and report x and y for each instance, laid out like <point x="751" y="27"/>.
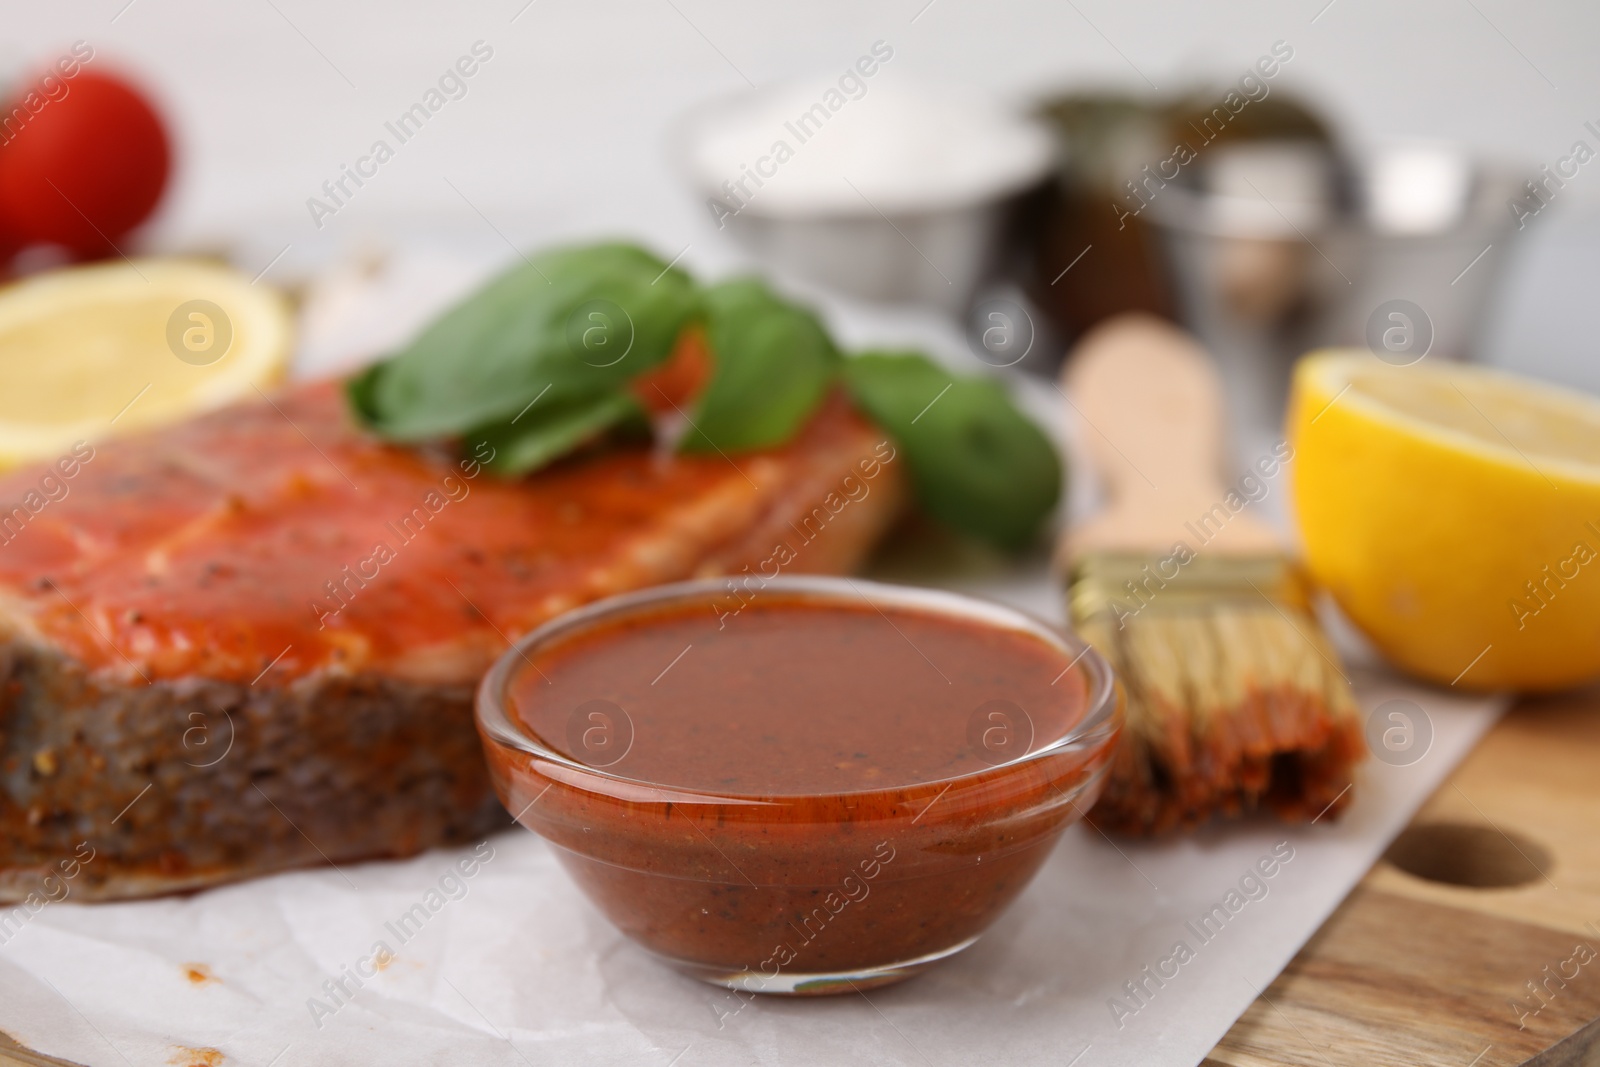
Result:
<point x="898" y="192"/>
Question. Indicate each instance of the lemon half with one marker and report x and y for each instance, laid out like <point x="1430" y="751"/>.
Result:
<point x="91" y="351"/>
<point x="1454" y="514"/>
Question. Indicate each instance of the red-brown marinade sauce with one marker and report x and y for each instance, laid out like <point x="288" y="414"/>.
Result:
<point x="802" y="788"/>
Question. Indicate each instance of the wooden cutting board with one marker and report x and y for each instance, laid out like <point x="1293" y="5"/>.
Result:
<point x="1412" y="970"/>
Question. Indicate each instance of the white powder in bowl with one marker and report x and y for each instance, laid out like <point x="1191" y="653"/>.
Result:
<point x="848" y="145"/>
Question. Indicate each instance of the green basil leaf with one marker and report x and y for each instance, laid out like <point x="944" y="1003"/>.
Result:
<point x="976" y="463"/>
<point x="551" y="429"/>
<point x="578" y="321"/>
<point x="773" y="364"/>
<point x="358" y="391"/>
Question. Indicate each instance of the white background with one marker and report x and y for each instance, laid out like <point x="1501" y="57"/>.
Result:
<point x="564" y="131"/>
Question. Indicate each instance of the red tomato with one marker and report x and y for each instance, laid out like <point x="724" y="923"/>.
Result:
<point x="10" y="245"/>
<point x="82" y="166"/>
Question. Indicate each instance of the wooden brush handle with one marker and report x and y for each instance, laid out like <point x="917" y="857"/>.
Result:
<point x="1149" y="405"/>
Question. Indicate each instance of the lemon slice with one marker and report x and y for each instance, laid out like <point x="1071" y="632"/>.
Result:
<point x="1454" y="513"/>
<point x="90" y="351"/>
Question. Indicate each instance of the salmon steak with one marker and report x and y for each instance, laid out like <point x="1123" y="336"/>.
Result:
<point x="249" y="642"/>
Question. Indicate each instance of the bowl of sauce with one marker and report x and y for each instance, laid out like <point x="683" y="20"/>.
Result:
<point x="818" y="786"/>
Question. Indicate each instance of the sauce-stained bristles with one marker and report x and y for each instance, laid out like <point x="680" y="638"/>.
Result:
<point x="1235" y="698"/>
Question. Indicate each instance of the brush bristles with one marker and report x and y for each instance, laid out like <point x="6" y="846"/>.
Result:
<point x="1234" y="701"/>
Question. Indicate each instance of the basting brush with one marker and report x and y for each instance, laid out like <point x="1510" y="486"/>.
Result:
<point x="1236" y="699"/>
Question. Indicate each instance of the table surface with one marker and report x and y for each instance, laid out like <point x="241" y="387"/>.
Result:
<point x="1415" y="971"/>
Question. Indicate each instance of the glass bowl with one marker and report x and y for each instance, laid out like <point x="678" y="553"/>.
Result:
<point x="800" y="893"/>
